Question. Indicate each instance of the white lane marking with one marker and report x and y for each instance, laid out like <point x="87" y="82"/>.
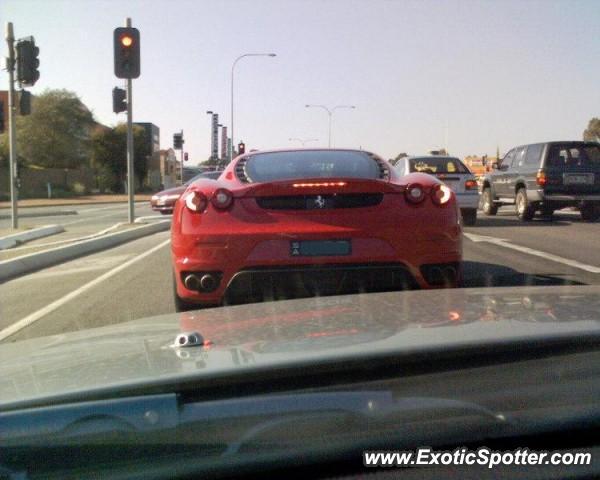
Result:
<point x="34" y="317"/>
<point x="90" y="218"/>
<point x="77" y="266"/>
<point x="530" y="251"/>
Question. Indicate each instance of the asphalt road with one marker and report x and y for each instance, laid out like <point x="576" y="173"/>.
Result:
<point x="134" y="280"/>
<point x="78" y="220"/>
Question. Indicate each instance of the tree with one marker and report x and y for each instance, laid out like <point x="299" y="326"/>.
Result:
<point x="592" y="132"/>
<point x="109" y="155"/>
<point x="57" y="133"/>
<point x="4" y="152"/>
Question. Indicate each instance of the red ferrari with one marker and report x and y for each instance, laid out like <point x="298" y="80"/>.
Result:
<point x="292" y="223"/>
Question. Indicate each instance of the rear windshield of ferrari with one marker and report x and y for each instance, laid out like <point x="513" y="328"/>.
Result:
<point x="273" y="166"/>
<point x="437" y="165"/>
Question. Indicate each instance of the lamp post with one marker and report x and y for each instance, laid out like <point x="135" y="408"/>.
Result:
<point x="232" y="72"/>
<point x="330" y="113"/>
<point x="303" y="141"/>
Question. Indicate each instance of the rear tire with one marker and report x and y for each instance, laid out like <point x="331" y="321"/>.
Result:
<point x="524" y="208"/>
<point x="590" y="212"/>
<point x="469" y="216"/>
<point x="487" y="202"/>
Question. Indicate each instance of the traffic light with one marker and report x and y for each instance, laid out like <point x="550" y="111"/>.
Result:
<point x="185" y="157"/>
<point x="24" y="102"/>
<point x="27" y="61"/>
<point x="119" y="100"/>
<point x="177" y="141"/>
<point x="127" y="52"/>
<point x="241" y="148"/>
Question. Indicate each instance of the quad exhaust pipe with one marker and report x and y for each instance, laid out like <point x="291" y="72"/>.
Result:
<point x="441" y="275"/>
<point x="206" y="282"/>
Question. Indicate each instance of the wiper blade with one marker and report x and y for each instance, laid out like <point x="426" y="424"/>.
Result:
<point x="162" y="412"/>
<point x="120" y="414"/>
<point x="368" y="403"/>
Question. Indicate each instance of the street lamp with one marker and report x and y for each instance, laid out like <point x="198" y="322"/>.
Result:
<point x="232" y="72"/>
<point x="303" y="141"/>
<point x="330" y="113"/>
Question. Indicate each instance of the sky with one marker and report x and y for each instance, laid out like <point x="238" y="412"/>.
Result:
<point x="470" y="75"/>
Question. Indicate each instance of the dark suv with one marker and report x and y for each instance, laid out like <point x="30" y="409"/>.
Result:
<point x="544" y="177"/>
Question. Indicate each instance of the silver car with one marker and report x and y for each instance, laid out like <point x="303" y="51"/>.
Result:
<point x="453" y="173"/>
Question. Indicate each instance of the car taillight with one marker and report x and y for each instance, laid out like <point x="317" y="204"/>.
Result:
<point x="440" y="194"/>
<point x="471" y="184"/>
<point x="414" y="193"/>
<point x="196" y="202"/>
<point x="541" y="179"/>
<point x="222" y="198"/>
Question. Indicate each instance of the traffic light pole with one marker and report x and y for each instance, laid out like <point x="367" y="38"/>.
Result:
<point x="130" y="168"/>
<point x="12" y="136"/>
<point x="181" y="172"/>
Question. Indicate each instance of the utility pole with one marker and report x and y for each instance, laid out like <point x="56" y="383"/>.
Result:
<point x="12" y="136"/>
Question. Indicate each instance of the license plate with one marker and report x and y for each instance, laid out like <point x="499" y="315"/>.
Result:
<point x="320" y="248"/>
<point x="579" y="179"/>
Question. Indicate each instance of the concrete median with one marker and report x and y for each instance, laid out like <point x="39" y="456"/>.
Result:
<point x="10" y="241"/>
<point x="37" y="261"/>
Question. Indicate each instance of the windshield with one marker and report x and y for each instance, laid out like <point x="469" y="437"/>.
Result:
<point x="265" y="167"/>
<point x="437" y="165"/>
<point x="225" y="200"/>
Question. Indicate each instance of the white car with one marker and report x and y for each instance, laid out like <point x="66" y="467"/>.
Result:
<point x="453" y="173"/>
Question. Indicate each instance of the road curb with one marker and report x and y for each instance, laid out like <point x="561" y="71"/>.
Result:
<point x="41" y="214"/>
<point x="14" y="239"/>
<point x="36" y="261"/>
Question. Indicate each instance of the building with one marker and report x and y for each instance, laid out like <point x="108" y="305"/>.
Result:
<point x="152" y="135"/>
<point x="479" y="165"/>
<point x="163" y="170"/>
<point x="154" y="176"/>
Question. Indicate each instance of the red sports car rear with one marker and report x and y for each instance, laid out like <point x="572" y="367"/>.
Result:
<point x="292" y="223"/>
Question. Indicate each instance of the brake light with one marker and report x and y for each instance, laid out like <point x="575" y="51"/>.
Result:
<point x="471" y="184"/>
<point x="541" y="179"/>
<point x="319" y="184"/>
<point x="222" y="198"/>
<point x="414" y="193"/>
<point x="196" y="202"/>
<point x="440" y="194"/>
